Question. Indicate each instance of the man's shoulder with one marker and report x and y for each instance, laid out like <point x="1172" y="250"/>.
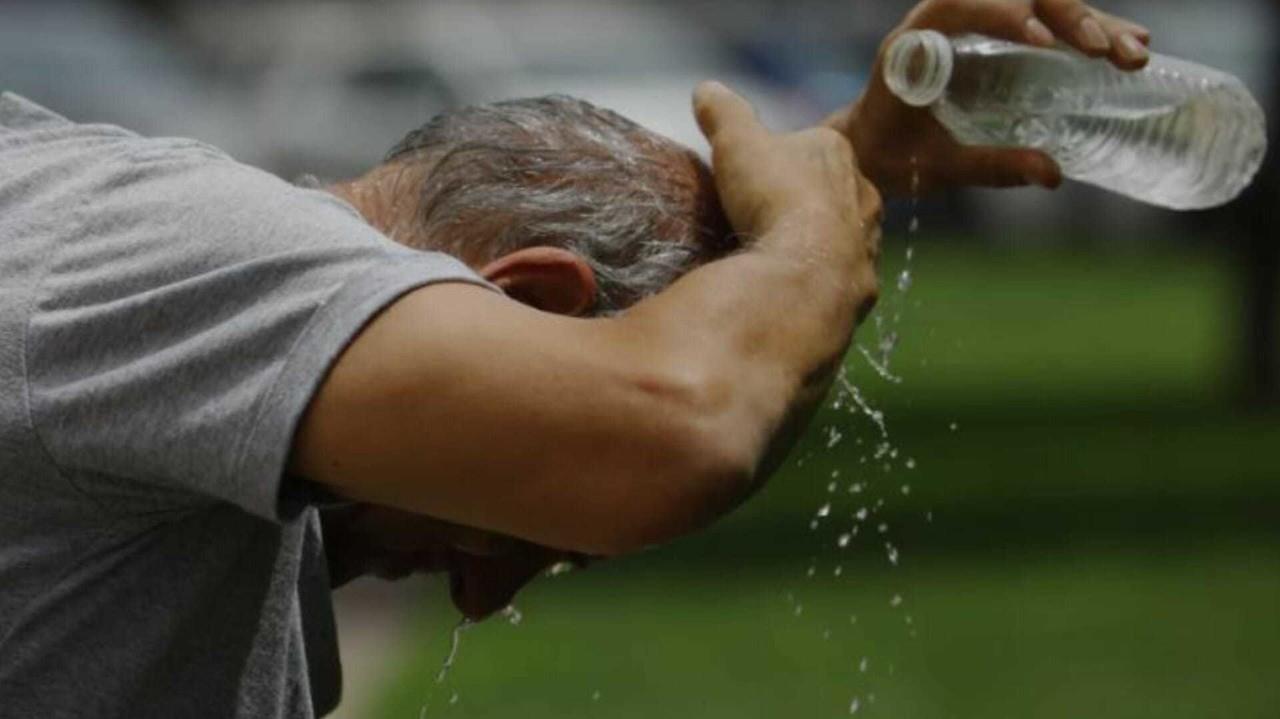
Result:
<point x="17" y="113"/>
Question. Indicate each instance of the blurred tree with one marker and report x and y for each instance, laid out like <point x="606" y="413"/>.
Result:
<point x="165" y="11"/>
<point x="1255" y="229"/>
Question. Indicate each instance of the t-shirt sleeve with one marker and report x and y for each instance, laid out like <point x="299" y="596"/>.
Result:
<point x="187" y="318"/>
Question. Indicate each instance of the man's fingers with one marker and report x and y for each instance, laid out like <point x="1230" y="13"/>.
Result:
<point x="1076" y="24"/>
<point x="1041" y="23"/>
<point x="1129" y="42"/>
<point x="722" y="112"/>
<point x="1118" y="25"/>
<point x="1004" y="20"/>
<point x="1002" y="167"/>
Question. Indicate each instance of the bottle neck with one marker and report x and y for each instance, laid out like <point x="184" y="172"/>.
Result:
<point x="918" y="67"/>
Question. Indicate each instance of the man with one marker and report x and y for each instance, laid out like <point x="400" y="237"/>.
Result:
<point x="196" y="358"/>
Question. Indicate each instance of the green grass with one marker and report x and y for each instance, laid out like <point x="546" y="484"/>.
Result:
<point x="1098" y="537"/>
<point x="984" y="329"/>
<point x="1193" y="634"/>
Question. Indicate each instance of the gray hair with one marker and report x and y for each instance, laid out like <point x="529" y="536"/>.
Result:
<point x="639" y="208"/>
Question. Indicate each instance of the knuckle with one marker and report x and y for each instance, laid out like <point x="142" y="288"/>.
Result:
<point x="826" y="137"/>
<point x="869" y="281"/>
<point x="868" y="289"/>
<point x="939" y="9"/>
<point x="874" y="201"/>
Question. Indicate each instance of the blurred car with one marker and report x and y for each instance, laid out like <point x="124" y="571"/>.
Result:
<point x="99" y="62"/>
<point x="340" y="83"/>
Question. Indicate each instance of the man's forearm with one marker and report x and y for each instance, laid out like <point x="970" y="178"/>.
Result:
<point x="765" y="329"/>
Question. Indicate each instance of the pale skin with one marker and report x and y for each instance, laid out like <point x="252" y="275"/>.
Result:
<point x="490" y="437"/>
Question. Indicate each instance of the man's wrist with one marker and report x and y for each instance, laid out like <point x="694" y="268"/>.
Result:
<point x="808" y="232"/>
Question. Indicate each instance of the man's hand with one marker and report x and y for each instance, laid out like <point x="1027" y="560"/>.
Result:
<point x="485" y="569"/>
<point x="799" y="198"/>
<point x="809" y="178"/>
<point x="895" y="141"/>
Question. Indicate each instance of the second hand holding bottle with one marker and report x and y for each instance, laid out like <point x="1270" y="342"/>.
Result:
<point x="1175" y="134"/>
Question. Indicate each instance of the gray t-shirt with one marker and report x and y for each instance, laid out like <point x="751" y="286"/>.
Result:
<point x="165" y="315"/>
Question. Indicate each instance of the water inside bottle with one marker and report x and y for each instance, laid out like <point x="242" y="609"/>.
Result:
<point x="1176" y="134"/>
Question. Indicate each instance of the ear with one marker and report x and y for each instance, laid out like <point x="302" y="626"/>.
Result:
<point x="548" y="278"/>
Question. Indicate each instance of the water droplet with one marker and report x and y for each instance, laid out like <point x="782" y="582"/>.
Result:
<point x="454" y="698"/>
<point x="864" y="664"/>
<point x="892" y="553"/>
<point x="854" y="706"/>
<point x="883" y="527"/>
<point x="928" y="517"/>
<point x="860" y="402"/>
<point x="904" y="281"/>
<point x="824" y="511"/>
<point x="909" y="620"/>
<point x="911" y="463"/>
<point x="835" y="474"/>
<point x="837" y="571"/>
<point x="813" y="524"/>
<point x="853" y="618"/>
<point x="861" y="514"/>
<point x="595" y="696"/>
<point x="826" y="635"/>
<point x="455" y="639"/>
<point x="513" y="615"/>
<point x="896" y="601"/>
<point x="855" y="488"/>
<point x="954" y="426"/>
<point x="799" y="610"/>
<point x="906" y="489"/>
<point x="844" y="540"/>
<point x="813" y="570"/>
<point x="832" y="487"/>
<point x="834" y="437"/>
<point x="560" y="568"/>
<point x="915" y="225"/>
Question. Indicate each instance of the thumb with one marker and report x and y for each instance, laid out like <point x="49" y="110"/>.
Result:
<point x="1006" y="167"/>
<point x="721" y="111"/>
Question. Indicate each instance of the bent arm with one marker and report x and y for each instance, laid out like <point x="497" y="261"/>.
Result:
<point x="607" y="435"/>
<point x="597" y="436"/>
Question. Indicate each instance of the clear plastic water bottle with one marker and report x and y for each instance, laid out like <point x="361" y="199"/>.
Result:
<point x="1176" y="134"/>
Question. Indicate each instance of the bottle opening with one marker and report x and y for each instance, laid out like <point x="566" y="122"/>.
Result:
<point x="918" y="67"/>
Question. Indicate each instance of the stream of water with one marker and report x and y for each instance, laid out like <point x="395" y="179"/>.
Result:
<point x="868" y="483"/>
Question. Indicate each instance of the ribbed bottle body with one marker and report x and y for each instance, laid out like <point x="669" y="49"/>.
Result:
<point x="1174" y="134"/>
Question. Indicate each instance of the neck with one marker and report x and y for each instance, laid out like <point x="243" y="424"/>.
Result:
<point x="383" y="197"/>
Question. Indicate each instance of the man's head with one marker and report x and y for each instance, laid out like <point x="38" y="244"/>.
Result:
<point x="566" y="206"/>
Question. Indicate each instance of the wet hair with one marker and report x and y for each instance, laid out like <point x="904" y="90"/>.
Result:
<point x="557" y="171"/>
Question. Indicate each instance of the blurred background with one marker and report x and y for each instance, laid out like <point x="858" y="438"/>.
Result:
<point x="1074" y="509"/>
